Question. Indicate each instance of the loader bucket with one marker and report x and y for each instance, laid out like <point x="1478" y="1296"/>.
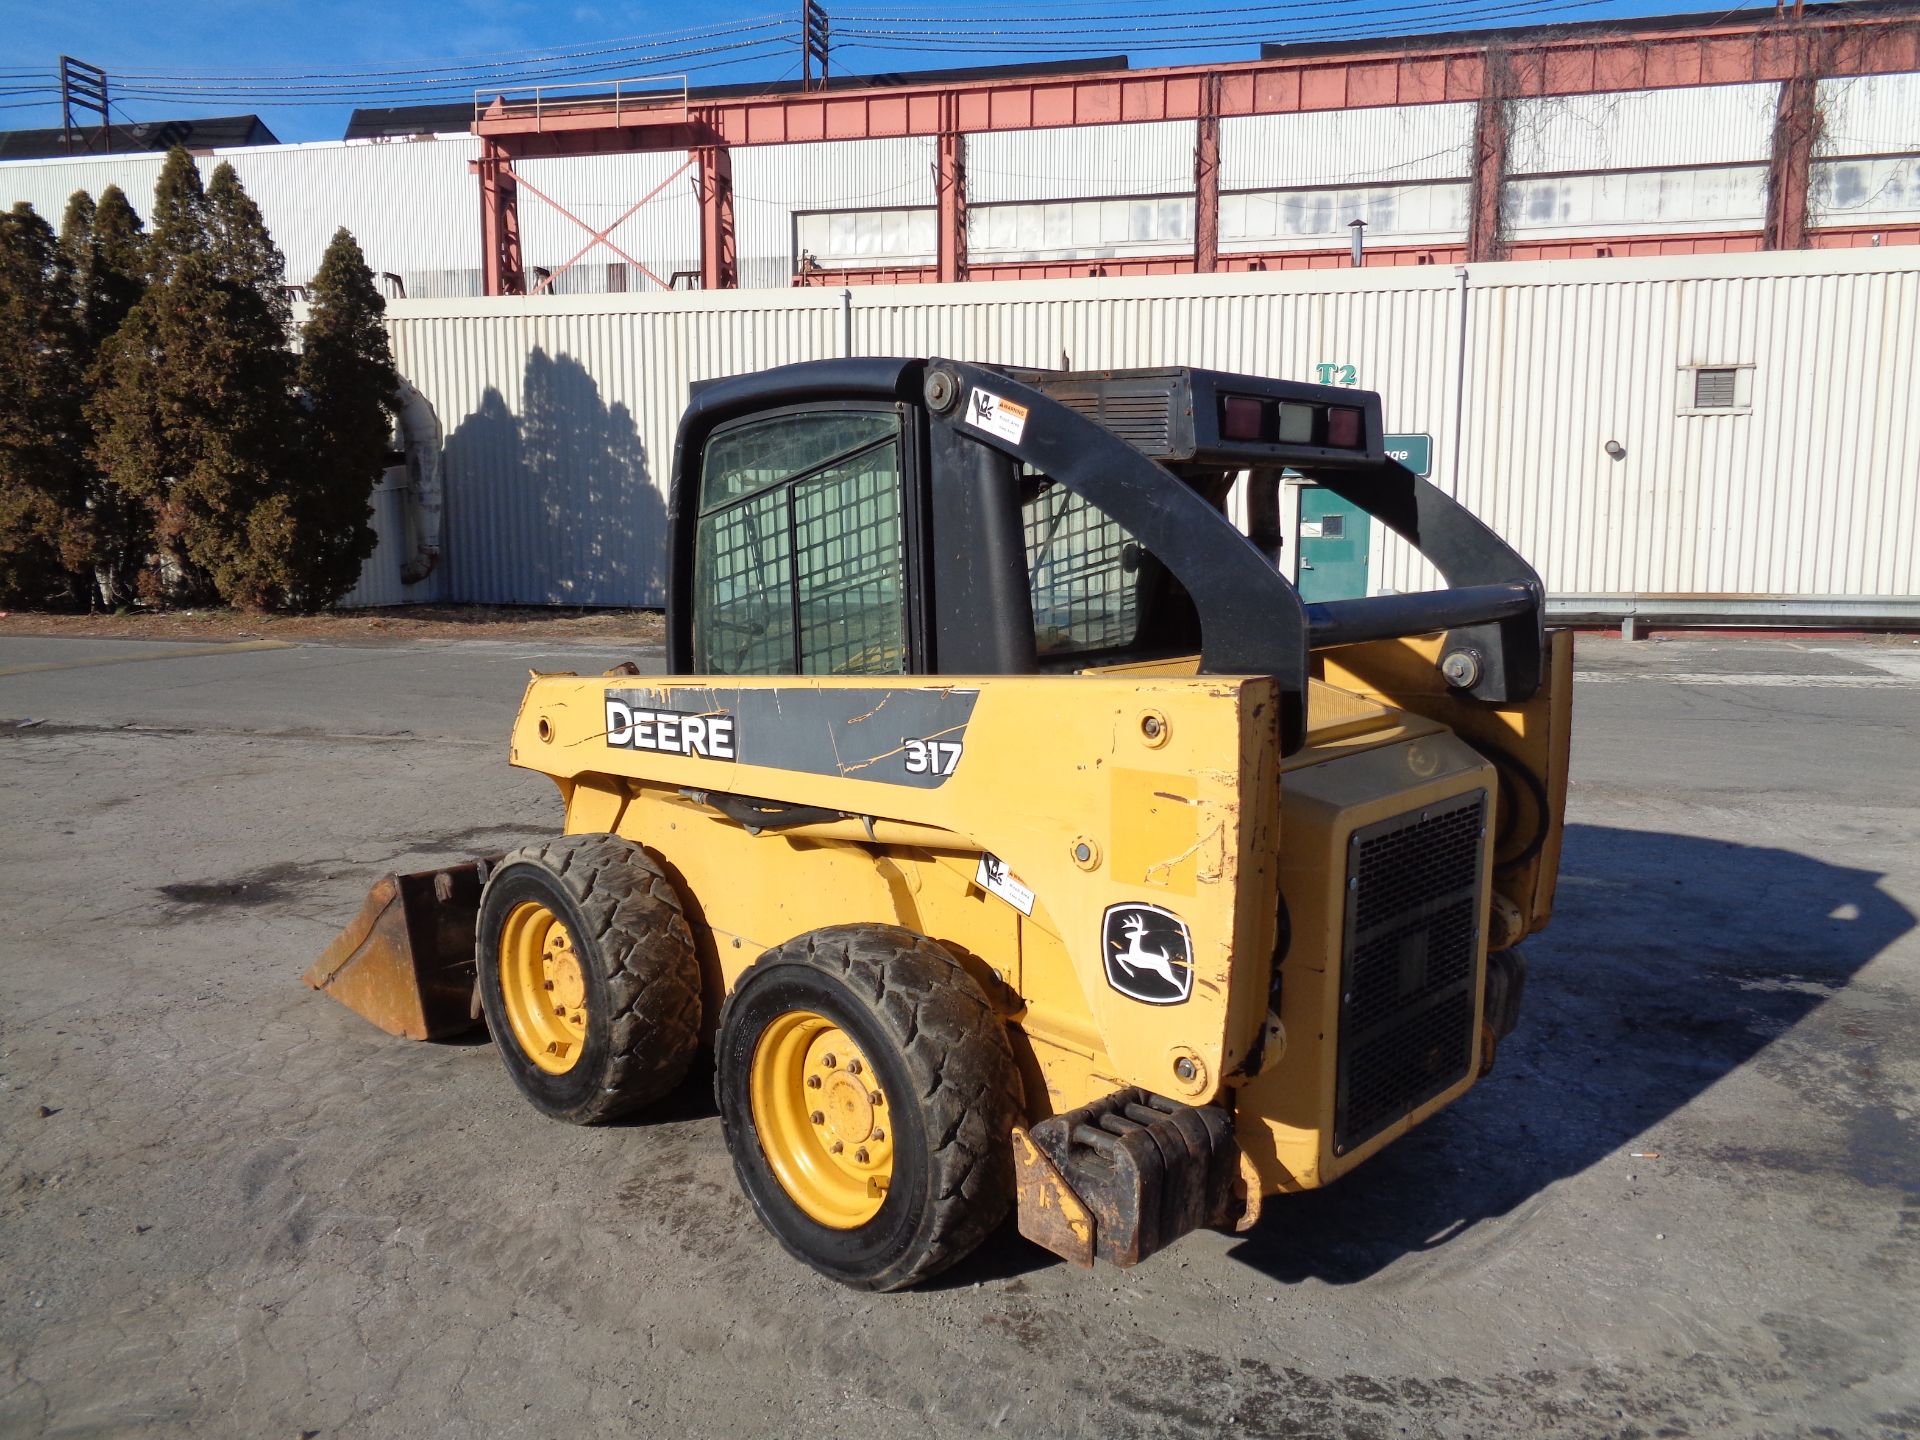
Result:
<point x="406" y="961"/>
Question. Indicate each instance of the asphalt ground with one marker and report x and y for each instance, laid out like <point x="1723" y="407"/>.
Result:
<point x="1686" y="1203"/>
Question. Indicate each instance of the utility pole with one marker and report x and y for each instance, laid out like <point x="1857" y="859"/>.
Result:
<point x="813" y="43"/>
<point x="83" y="87"/>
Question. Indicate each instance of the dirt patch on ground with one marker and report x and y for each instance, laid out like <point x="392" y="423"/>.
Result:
<point x="402" y="622"/>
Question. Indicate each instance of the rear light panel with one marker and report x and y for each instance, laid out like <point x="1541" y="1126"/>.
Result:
<point x="1261" y="420"/>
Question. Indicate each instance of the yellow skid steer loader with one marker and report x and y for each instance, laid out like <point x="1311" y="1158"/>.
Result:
<point x="1008" y="826"/>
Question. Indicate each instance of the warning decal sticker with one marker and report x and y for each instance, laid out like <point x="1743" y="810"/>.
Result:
<point x="994" y="878"/>
<point x="988" y="412"/>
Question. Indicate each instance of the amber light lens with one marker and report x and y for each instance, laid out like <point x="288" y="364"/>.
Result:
<point x="1240" y="417"/>
<point x="1346" y="429"/>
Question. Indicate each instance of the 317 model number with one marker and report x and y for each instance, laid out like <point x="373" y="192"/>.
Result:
<point x="932" y="757"/>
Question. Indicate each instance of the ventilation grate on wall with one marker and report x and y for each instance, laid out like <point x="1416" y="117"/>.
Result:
<point x="1715" y="389"/>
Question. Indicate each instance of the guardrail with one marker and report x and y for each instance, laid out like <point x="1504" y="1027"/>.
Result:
<point x="536" y="102"/>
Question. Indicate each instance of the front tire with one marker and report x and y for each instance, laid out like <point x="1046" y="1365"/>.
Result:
<point x="868" y="1093"/>
<point x="588" y="976"/>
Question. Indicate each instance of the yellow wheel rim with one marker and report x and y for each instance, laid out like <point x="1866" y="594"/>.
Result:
<point x="543" y="987"/>
<point x="825" y="1125"/>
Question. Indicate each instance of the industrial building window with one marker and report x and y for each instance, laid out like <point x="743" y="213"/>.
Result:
<point x="852" y="239"/>
<point x="1411" y="213"/>
<point x="1080" y="229"/>
<point x="1715" y="389"/>
<point x="799" y="557"/>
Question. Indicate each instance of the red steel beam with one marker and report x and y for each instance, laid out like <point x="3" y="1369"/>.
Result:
<point x="719" y="253"/>
<point x="1644" y="59"/>
<point x="1796" y="130"/>
<point x="499" y="222"/>
<point x="1485" y="237"/>
<point x="1206" y="180"/>
<point x="950" y="193"/>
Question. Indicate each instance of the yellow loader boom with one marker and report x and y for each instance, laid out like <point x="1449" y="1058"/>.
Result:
<point x="1010" y="830"/>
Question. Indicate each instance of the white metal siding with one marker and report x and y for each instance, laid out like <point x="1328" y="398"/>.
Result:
<point x="560" y="413"/>
<point x="771" y="182"/>
<point x="663" y="234"/>
<point x="1081" y="162"/>
<point x="1346" y="147"/>
<point x="1642" y="129"/>
<point x="412" y="205"/>
<point x="1870" y="115"/>
<point x="560" y="416"/>
<point x="48" y="184"/>
<point x="1807" y="493"/>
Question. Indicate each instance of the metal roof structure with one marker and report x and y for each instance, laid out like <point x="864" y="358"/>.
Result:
<point x="206" y="132"/>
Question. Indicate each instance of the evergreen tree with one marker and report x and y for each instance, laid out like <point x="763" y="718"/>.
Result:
<point x="44" y="538"/>
<point x="348" y="383"/>
<point x="195" y="414"/>
<point x="105" y="248"/>
<point x="120" y="248"/>
<point x="76" y="244"/>
<point x="241" y="245"/>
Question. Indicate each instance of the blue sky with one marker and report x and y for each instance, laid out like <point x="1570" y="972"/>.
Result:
<point x="229" y="38"/>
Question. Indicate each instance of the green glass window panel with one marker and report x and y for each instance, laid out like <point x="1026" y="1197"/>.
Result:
<point x="751" y="457"/>
<point x="743" y="589"/>
<point x="805" y="574"/>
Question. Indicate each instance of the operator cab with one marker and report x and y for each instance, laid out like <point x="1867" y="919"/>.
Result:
<point x="864" y="517"/>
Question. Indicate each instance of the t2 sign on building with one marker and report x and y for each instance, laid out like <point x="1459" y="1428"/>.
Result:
<point x="1336" y="536"/>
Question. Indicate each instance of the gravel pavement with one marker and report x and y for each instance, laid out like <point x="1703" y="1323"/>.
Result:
<point x="1686" y="1203"/>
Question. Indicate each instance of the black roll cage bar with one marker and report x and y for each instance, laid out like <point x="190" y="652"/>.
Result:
<point x="1252" y="619"/>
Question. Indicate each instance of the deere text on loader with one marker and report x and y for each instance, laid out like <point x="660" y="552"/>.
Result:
<point x="1007" y="825"/>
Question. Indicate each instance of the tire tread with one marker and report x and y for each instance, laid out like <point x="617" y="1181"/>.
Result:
<point x="639" y="928"/>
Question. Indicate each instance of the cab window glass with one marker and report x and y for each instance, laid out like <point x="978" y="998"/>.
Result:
<point x="751" y="457"/>
<point x="1085" y="570"/>
<point x="802" y="572"/>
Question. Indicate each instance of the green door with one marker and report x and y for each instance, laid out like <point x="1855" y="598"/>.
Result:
<point x="1334" y="544"/>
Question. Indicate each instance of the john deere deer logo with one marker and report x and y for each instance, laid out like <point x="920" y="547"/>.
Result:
<point x="1148" y="954"/>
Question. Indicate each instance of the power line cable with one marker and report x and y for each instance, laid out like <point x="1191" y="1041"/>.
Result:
<point x="474" y="64"/>
<point x="1190" y="32"/>
<point x="461" y="82"/>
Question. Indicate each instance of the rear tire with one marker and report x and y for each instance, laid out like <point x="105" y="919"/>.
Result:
<point x="588" y="976"/>
<point x="932" y="1158"/>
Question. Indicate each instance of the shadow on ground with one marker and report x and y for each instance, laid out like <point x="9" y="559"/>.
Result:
<point x="1672" y="962"/>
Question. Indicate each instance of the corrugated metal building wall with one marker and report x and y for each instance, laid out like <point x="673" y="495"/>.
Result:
<point x="560" y="412"/>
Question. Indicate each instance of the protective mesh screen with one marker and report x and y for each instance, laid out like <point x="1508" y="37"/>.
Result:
<point x="743" y="607"/>
<point x="846" y="525"/>
<point x="1084" y="571"/>
<point x="823" y="551"/>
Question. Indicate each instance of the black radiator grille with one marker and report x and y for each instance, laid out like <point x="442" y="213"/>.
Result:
<point x="1408" y="964"/>
<point x="1144" y="421"/>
